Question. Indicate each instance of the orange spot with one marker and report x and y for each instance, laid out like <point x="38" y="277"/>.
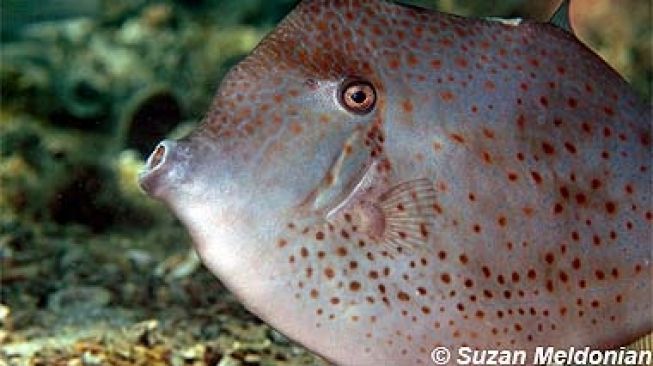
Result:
<point x="487" y="157"/>
<point x="488" y="133"/>
<point x="407" y="106"/>
<point x="489" y="85"/>
<point x="403" y="296"/>
<point x="461" y="62"/>
<point x="447" y="96"/>
<point x="521" y="121"/>
<point x="457" y="138"/>
<point x="544" y="101"/>
<point x="536" y="177"/>
<point x="437" y="146"/>
<point x="324" y="118"/>
<point x="446" y="42"/>
<point x="531" y="274"/>
<point x="341" y="251"/>
<point x="572" y="102"/>
<point x="436" y="64"/>
<point x="412" y="60"/>
<point x="296" y="128"/>
<point x="354" y="286"/>
<point x="599" y="275"/>
<point x="629" y="189"/>
<point x="607" y="132"/>
<point x="548" y="148"/>
<point x="570" y="147"/>
<point x="557" y="208"/>
<point x="437" y="208"/>
<point x="575" y="236"/>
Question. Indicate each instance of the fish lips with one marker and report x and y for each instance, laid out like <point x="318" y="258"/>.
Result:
<point x="165" y="168"/>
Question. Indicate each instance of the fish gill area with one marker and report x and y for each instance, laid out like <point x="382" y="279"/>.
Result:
<point x="92" y="272"/>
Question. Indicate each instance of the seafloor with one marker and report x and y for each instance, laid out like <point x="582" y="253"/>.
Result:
<point x="92" y="271"/>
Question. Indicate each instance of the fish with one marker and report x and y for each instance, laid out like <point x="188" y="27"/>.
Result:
<point x="378" y="180"/>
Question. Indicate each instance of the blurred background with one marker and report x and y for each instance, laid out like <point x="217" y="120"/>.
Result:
<point x="92" y="271"/>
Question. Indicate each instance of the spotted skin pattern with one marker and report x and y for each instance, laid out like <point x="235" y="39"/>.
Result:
<point x="506" y="199"/>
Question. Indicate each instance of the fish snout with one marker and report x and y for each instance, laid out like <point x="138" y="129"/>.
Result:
<point x="162" y="168"/>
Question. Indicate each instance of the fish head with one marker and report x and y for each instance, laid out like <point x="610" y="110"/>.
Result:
<point x="292" y="128"/>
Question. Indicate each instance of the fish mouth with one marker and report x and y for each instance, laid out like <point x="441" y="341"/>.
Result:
<point x="163" y="168"/>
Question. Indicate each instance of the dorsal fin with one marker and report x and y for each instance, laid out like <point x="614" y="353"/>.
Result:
<point x="561" y="17"/>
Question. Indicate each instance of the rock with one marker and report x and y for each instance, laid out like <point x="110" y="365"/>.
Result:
<point x="79" y="299"/>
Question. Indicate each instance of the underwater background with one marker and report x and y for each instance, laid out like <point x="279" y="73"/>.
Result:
<point x="92" y="272"/>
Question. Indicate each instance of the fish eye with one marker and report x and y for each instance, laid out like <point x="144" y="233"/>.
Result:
<point x="358" y="96"/>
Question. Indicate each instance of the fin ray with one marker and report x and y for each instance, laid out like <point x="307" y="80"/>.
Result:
<point x="561" y="17"/>
<point x="408" y="211"/>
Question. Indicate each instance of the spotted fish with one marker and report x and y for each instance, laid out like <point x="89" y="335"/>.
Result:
<point x="376" y="180"/>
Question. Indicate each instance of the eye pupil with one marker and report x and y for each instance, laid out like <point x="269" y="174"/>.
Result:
<point x="358" y="97"/>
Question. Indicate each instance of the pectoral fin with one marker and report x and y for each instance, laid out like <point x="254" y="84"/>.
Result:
<point x="409" y="211"/>
<point x="400" y="218"/>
